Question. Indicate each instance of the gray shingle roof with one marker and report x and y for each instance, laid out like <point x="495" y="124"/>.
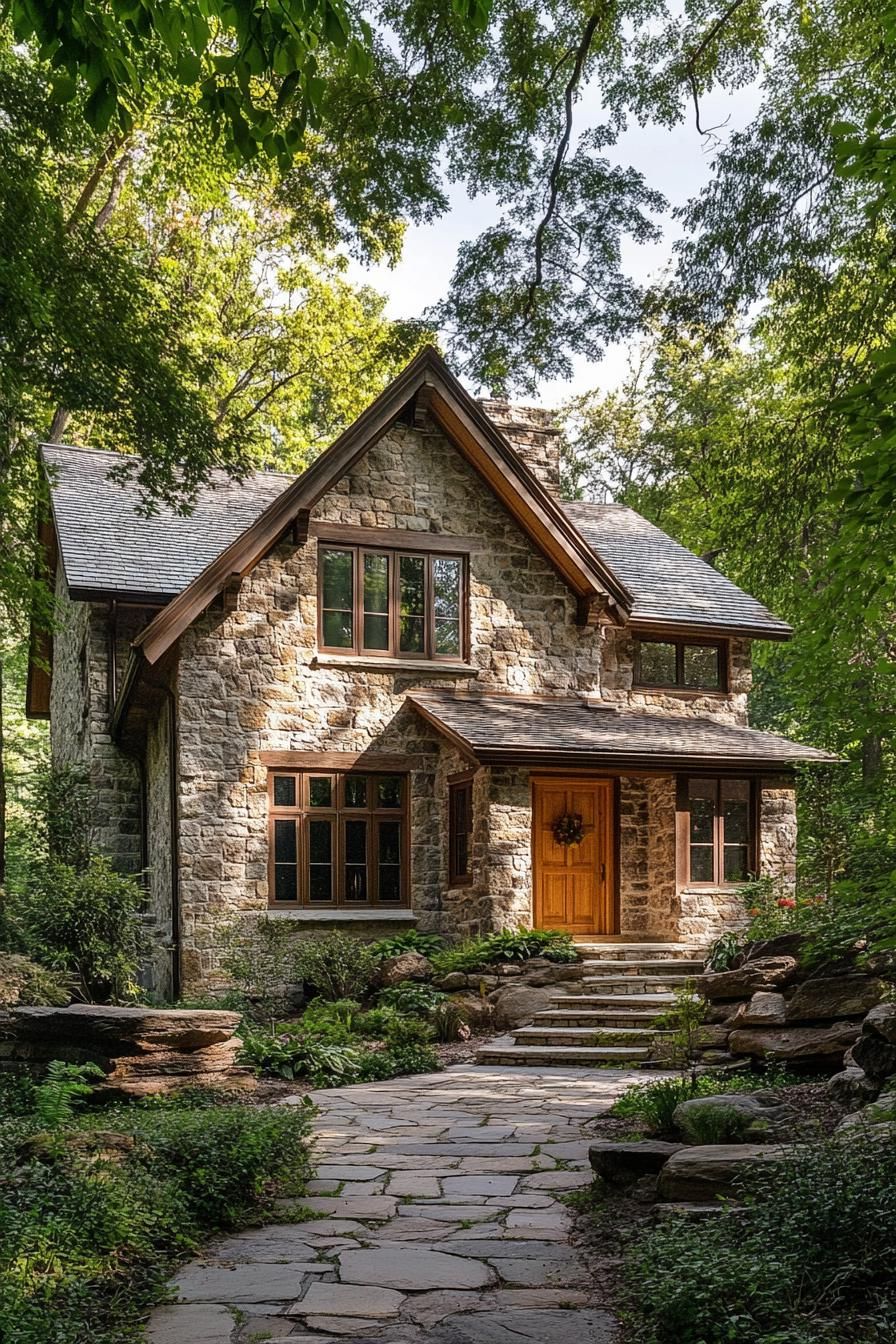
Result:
<point x="670" y="584"/>
<point x="496" y="727"/>
<point x="108" y="546"/>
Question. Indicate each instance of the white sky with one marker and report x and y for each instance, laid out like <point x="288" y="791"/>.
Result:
<point x="675" y="162"/>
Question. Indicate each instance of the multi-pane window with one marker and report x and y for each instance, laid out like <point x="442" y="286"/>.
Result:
<point x="460" y="831"/>
<point x="720" y="830"/>
<point x="338" y="839"/>
<point x="391" y="602"/>
<point x="680" y="663"/>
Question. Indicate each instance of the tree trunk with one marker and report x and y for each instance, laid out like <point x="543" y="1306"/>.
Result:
<point x="872" y="758"/>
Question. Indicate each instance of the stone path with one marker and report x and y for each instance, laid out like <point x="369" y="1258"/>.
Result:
<point x="442" y="1221"/>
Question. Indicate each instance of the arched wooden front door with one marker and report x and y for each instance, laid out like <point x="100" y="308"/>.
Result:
<point x="574" y="886"/>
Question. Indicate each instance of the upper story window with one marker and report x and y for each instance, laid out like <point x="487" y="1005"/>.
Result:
<point x="681" y="664"/>
<point x="392" y="603"/>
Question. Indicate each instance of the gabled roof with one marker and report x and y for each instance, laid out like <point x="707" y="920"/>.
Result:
<point x="469" y="428"/>
<point x="502" y="729"/>
<point x="671" y="585"/>
<point x="107" y="547"/>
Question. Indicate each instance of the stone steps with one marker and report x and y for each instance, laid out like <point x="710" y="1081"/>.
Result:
<point x="632" y="984"/>
<point x="541" y="1034"/>
<point x="650" y="966"/>
<point x="564" y="1055"/>
<point x="608" y="1016"/>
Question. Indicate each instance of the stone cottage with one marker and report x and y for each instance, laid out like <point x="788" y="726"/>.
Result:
<point x="410" y="686"/>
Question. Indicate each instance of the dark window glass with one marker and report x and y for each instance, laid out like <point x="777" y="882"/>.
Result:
<point x="356" y="791"/>
<point x="460" y="825"/>
<point x="320" y="860"/>
<point x="736" y="813"/>
<point x="337" y="598"/>
<point x="389" y="860"/>
<point x="356" y="860"/>
<point x="736" y="863"/>
<point x="702" y="857"/>
<point x="657" y="664"/>
<point x="320" y="791"/>
<point x="284" y="842"/>
<point x="388" y="791"/>
<point x="701" y="666"/>
<point x="376" y="602"/>
<point x="719" y="830"/>
<point x="285" y="865"/>
<point x="703" y="815"/>
<point x="412" y="604"/>
<point x="446" y="588"/>
<point x="284" y="790"/>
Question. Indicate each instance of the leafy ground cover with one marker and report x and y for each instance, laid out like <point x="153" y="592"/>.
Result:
<point x="96" y="1207"/>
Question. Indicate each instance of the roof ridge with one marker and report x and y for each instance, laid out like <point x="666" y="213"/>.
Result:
<point x="256" y="472"/>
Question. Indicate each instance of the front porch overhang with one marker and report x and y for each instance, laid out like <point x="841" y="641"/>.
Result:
<point x="575" y="734"/>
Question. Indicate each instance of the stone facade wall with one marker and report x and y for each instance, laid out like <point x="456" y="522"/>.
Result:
<point x="158" y="971"/>
<point x="777" y="829"/>
<point x="648" y="901"/>
<point x="79" y="732"/>
<point x="617" y="675"/>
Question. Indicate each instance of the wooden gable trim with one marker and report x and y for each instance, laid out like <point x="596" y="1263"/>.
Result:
<point x="480" y="442"/>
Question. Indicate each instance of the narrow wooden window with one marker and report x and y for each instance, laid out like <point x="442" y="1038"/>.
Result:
<point x="338" y="839"/>
<point x="681" y="664"/>
<point x="391" y="603"/>
<point x="717" y="831"/>
<point x="460" y="832"/>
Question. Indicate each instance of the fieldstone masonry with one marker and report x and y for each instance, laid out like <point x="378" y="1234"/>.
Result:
<point x="250" y="680"/>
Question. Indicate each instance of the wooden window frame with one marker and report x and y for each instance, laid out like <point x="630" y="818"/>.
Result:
<point x="338" y="813"/>
<point x="459" y="785"/>
<point x="394" y="555"/>
<point x="680" y="643"/>
<point x="683" y="836"/>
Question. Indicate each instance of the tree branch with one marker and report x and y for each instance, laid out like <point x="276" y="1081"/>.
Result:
<point x="562" y="147"/>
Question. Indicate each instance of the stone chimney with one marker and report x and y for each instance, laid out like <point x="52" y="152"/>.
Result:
<point x="533" y="434"/>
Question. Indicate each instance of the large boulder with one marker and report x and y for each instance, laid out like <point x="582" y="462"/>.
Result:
<point x="767" y="1008"/>
<point x="852" y="1086"/>
<point x="744" y="981"/>
<point x="732" y="1117"/>
<point x="478" y="1013"/>
<point x="826" y="1043"/>
<point x="834" y="996"/>
<point x="703" y="1174"/>
<point x="517" y="1004"/>
<point x="879" y="1112"/>
<point x="875" y="1050"/>
<point x="142" y="1051"/>
<point x="552" y="973"/>
<point x="406" y="966"/>
<point x="623" y="1163"/>
<point x="780" y="945"/>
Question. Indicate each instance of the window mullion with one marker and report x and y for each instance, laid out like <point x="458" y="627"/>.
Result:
<point x="719" y="866"/>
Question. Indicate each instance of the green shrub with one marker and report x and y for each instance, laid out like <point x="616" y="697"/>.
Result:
<point x="478" y="953"/>
<point x="412" y="941"/>
<point x="86" y="924"/>
<point x="809" y="1262"/>
<point x="60" y="813"/>
<point x="258" y="953"/>
<point x="62" y="1088"/>
<point x="723" y="952"/>
<point x="290" y="1053"/>
<point x="409" y="1031"/>
<point x="411" y="997"/>
<point x="88" y="1240"/>
<point x="337" y="965"/>
<point x="654" y="1103"/>
<point x="714" y="1124"/>
<point x="334" y="1020"/>
<point x="397" y="1061"/>
<point x="23" y="981"/>
<point x="449" y="1021"/>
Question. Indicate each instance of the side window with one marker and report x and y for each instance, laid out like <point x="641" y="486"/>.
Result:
<point x="717" y="831"/>
<point x="460" y="831"/>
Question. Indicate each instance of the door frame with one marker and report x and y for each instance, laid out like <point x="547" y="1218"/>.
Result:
<point x="579" y="777"/>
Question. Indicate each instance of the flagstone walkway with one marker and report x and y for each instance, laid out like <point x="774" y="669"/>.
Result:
<point x="442" y="1222"/>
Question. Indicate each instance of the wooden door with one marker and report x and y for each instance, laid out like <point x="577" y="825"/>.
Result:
<point x="573" y="885"/>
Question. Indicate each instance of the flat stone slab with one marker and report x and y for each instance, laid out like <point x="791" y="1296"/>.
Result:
<point x="341" y="1171"/>
<point x="479" y="1185"/>
<point x="349" y="1299"/>
<point x="250" y="1282"/>
<point x="198" y="1324"/>
<point x="517" y="1327"/>
<point x="351" y="1206"/>
<point x="447" y="1213"/>
<point x="413" y="1270"/>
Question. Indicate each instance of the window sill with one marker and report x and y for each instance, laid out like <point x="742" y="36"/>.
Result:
<point x="425" y="667"/>
<point x="683" y="692"/>
<point x="306" y="916"/>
